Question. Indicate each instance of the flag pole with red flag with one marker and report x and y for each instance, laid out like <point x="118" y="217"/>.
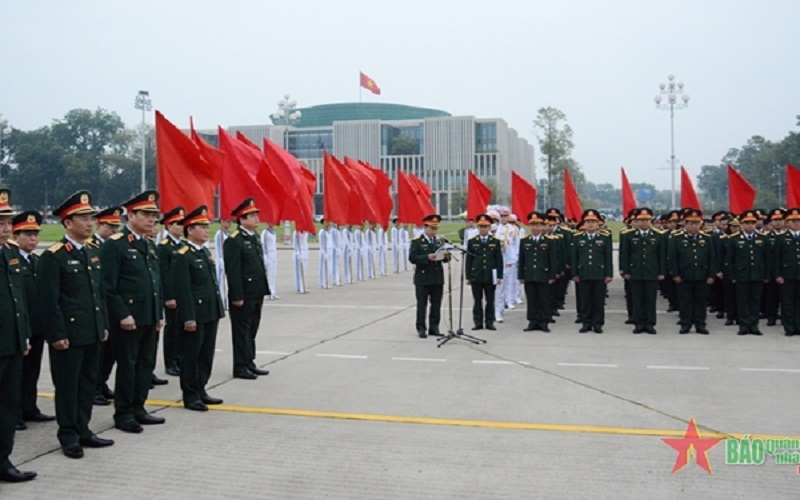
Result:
<point x="741" y="194"/>
<point x="689" y="197"/>
<point x="523" y="196"/>
<point x="478" y="196"/>
<point x="628" y="199"/>
<point x="572" y="203"/>
<point x="792" y="187"/>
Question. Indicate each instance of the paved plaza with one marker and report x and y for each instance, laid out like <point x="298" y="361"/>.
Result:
<point x="356" y="406"/>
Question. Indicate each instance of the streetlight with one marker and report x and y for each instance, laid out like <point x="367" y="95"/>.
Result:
<point x="4" y="131"/>
<point x="672" y="90"/>
<point x="144" y="103"/>
<point x="286" y="115"/>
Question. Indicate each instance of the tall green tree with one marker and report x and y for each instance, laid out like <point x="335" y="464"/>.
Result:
<point x="555" y="146"/>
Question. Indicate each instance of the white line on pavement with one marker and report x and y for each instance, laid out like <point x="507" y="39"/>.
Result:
<point x="667" y="367"/>
<point x="438" y="360"/>
<point x="779" y="370"/>
<point x="342" y="356"/>
<point x="491" y="362"/>
<point x="341" y="306"/>
<point x="591" y="365"/>
<point x="275" y="353"/>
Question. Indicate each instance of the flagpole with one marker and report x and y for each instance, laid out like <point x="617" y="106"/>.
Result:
<point x="359" y="93"/>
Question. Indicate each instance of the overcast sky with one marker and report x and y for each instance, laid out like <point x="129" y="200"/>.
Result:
<point x="229" y="62"/>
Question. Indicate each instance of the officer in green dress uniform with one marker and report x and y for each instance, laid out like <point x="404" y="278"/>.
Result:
<point x="624" y="233"/>
<point x="26" y="228"/>
<point x="642" y="258"/>
<point x="132" y="283"/>
<point x="428" y="275"/>
<point x="593" y="269"/>
<point x="692" y="268"/>
<point x="787" y="272"/>
<point x="770" y="301"/>
<point x="537" y="272"/>
<point x="199" y="308"/>
<point x="107" y="224"/>
<point x="167" y="247"/>
<point x="484" y="272"/>
<point x="14" y="335"/>
<point x="70" y="290"/>
<point x="749" y="267"/>
<point x="247" y="287"/>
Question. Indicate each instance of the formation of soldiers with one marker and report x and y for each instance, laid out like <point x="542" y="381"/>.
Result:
<point x="100" y="299"/>
<point x="742" y="267"/>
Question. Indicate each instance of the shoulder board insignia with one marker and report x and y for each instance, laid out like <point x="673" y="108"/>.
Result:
<point x="92" y="244"/>
<point x="233" y="234"/>
<point x="183" y="250"/>
<point x="658" y="231"/>
<point x="418" y="237"/>
<point x="165" y="241"/>
<point x="116" y="236"/>
<point x="733" y="235"/>
<point x="551" y="237"/>
<point x="627" y="231"/>
<point x="55" y="248"/>
<point x="579" y="233"/>
<point x="13" y="243"/>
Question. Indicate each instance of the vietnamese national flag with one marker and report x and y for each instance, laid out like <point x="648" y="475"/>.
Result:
<point x="478" y="196"/>
<point x="298" y="184"/>
<point x="741" y="194"/>
<point x="572" y="203"/>
<point x="186" y="177"/>
<point x="523" y="197"/>
<point x="628" y="199"/>
<point x="792" y="187"/>
<point x="689" y="197"/>
<point x="369" y="84"/>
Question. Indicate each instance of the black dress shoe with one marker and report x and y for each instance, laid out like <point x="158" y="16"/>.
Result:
<point x="14" y="475"/>
<point x="421" y="334"/>
<point x="578" y="321"/>
<point x="20" y="425"/>
<point x="628" y="321"/>
<point x="211" y="400"/>
<point x="248" y="375"/>
<point x="756" y="332"/>
<point x="650" y="330"/>
<point x="259" y="371"/>
<point x="100" y="400"/>
<point x="741" y="332"/>
<point x="701" y="330"/>
<point x="728" y="322"/>
<point x="477" y="327"/>
<point x="158" y="381"/>
<point x="585" y="328"/>
<point x="148" y="419"/>
<point x="598" y="329"/>
<point x="96" y="442"/>
<point x="107" y="392"/>
<point x="531" y="327"/>
<point x="684" y="330"/>
<point x="789" y="334"/>
<point x="490" y="326"/>
<point x="195" y="406"/>
<point x="73" y="450"/>
<point x="638" y="329"/>
<point x="544" y="328"/>
<point x="129" y="426"/>
<point x="173" y="371"/>
<point x="38" y="417"/>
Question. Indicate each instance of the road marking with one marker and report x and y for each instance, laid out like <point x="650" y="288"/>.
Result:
<point x="777" y="370"/>
<point x="360" y="307"/>
<point x="275" y="353"/>
<point x="591" y="365"/>
<point x="491" y="362"/>
<point x="438" y="360"/>
<point x="668" y="367"/>
<point x="342" y="356"/>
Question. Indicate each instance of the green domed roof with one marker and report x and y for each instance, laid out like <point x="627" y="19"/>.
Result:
<point x="325" y="114"/>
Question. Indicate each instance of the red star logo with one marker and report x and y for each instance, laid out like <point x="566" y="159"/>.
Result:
<point x="692" y="445"/>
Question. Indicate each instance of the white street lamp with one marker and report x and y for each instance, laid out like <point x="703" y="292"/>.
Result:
<point x="5" y="130"/>
<point x="672" y="90"/>
<point x="144" y="103"/>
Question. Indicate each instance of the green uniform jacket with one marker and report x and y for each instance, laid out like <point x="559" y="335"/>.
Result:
<point x="537" y="261"/>
<point x="748" y="259"/>
<point x="566" y="235"/>
<point x="484" y="261"/>
<point x="166" y="251"/>
<point x="244" y="267"/>
<point x="70" y="290"/>
<point x="592" y="259"/>
<point x="643" y="258"/>
<point x="131" y="279"/>
<point x="691" y="258"/>
<point x="426" y="272"/>
<point x="195" y="281"/>
<point x="30" y="274"/>
<point x="14" y="329"/>
<point x="772" y="238"/>
<point x="788" y="259"/>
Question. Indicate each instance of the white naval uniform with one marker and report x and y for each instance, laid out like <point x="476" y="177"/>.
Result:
<point x="397" y="251"/>
<point x="300" y="246"/>
<point x="382" y="248"/>
<point x="269" y="244"/>
<point x="406" y="242"/>
<point x="347" y="253"/>
<point x="372" y="249"/>
<point x="222" y="281"/>
<point x="337" y="237"/>
<point x="325" y="257"/>
<point x="360" y="252"/>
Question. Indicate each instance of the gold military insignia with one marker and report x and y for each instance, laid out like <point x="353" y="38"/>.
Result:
<point x="116" y="236"/>
<point x="116" y="213"/>
<point x="55" y="248"/>
<point x="180" y="212"/>
<point x="233" y="234"/>
<point x="183" y="250"/>
<point x="84" y="198"/>
<point x="3" y="197"/>
<point x="204" y="212"/>
<point x="31" y="218"/>
<point x="151" y="197"/>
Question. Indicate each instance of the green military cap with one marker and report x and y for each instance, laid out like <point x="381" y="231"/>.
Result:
<point x="174" y="215"/>
<point x="146" y="201"/>
<point x="248" y="206"/>
<point x="79" y="203"/>
<point x="432" y="220"/>
<point x="29" y="220"/>
<point x="197" y="216"/>
<point x="111" y="216"/>
<point x="5" y="202"/>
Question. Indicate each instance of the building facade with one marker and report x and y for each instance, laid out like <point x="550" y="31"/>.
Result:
<point x="431" y="144"/>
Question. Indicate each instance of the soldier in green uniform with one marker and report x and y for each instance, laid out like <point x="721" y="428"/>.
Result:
<point x="70" y="290"/>
<point x="592" y="265"/>
<point x="172" y="222"/>
<point x="787" y="272"/>
<point x="198" y="312"/>
<point x="537" y="272"/>
<point x="107" y="223"/>
<point x="132" y="283"/>
<point x="641" y="261"/>
<point x="14" y="335"/>
<point x="484" y="272"/>
<point x="26" y="228"/>
<point x="247" y="287"/>
<point x="428" y="275"/>
<point x="624" y="233"/>
<point x="770" y="301"/>
<point x="693" y="268"/>
<point x="749" y="269"/>
<point x="562" y="231"/>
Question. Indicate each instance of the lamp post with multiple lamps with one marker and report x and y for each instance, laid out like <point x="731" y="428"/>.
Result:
<point x="286" y="115"/>
<point x="671" y="90"/>
<point x="5" y="131"/>
<point x="144" y="103"/>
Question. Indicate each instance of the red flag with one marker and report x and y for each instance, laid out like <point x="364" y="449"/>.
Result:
<point x="478" y="196"/>
<point x="213" y="156"/>
<point x="383" y="194"/>
<point x="369" y="84"/>
<point x="424" y="194"/>
<point x="339" y="194"/>
<point x="523" y="196"/>
<point x="298" y="183"/>
<point x="572" y="204"/>
<point x="365" y="185"/>
<point x="413" y="199"/>
<point x="741" y="194"/>
<point x="792" y="187"/>
<point x="689" y="197"/>
<point x="628" y="199"/>
<point x="185" y="177"/>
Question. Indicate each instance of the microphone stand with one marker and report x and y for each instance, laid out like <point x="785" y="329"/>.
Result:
<point x="459" y="333"/>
